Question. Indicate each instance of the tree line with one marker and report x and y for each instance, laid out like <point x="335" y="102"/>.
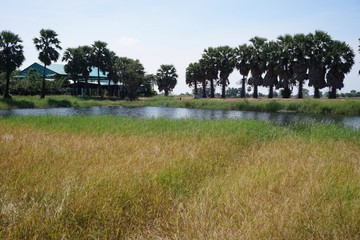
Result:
<point x="128" y="72"/>
<point x="289" y="61"/>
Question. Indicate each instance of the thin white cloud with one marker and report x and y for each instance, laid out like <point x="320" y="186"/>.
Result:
<point x="128" y="41"/>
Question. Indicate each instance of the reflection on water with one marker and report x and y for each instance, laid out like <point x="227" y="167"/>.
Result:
<point x="177" y="113"/>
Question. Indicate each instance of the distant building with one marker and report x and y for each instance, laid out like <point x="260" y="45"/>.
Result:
<point x="56" y="71"/>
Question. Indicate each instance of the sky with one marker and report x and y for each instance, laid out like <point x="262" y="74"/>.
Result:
<point x="177" y="32"/>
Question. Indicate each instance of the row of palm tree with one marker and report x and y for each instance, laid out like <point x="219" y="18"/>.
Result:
<point x="80" y="61"/>
<point x="281" y="64"/>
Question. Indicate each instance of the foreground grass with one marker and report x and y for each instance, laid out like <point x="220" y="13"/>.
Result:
<point x="119" y="178"/>
<point x="310" y="106"/>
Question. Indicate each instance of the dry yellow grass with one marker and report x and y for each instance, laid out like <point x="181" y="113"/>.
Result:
<point x="173" y="186"/>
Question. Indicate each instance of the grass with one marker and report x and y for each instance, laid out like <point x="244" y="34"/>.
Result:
<point x="309" y="106"/>
<point x="106" y="177"/>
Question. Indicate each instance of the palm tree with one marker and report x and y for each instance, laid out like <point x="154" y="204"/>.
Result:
<point x="301" y="46"/>
<point x="272" y="60"/>
<point x="191" y="77"/>
<point x="225" y="59"/>
<point x="47" y="44"/>
<point x="319" y="47"/>
<point x="86" y="65"/>
<point x="110" y="69"/>
<point x="73" y="56"/>
<point x="202" y="76"/>
<point x="257" y="63"/>
<point x="166" y="78"/>
<point x="100" y="59"/>
<point x="211" y="68"/>
<point x="11" y="56"/>
<point x="79" y="64"/>
<point x="285" y="67"/>
<point x="132" y="75"/>
<point x="341" y="60"/>
<point x="243" y="55"/>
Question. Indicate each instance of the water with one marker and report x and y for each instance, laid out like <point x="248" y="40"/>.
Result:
<point x="179" y="113"/>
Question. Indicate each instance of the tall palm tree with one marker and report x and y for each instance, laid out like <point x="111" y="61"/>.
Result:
<point x="110" y="69"/>
<point x="47" y="44"/>
<point x="132" y="75"/>
<point x="191" y="77"/>
<point x="166" y="78"/>
<point x="78" y="64"/>
<point x="286" y="68"/>
<point x="202" y="76"/>
<point x="319" y="47"/>
<point x="73" y="57"/>
<point x="341" y="60"/>
<point x="257" y="63"/>
<point x="301" y="46"/>
<point x="11" y="56"/>
<point x="272" y="60"/>
<point x="86" y="65"/>
<point x="100" y="59"/>
<point x="209" y="59"/>
<point x="225" y="59"/>
<point x="243" y="55"/>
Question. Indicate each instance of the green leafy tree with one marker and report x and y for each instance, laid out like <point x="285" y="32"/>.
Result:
<point x="225" y="60"/>
<point x="147" y="88"/>
<point x="341" y="60"/>
<point x="166" y="78"/>
<point x="101" y="57"/>
<point x="131" y="74"/>
<point x="257" y="63"/>
<point x="243" y="55"/>
<point x="320" y="43"/>
<point x="11" y="56"/>
<point x="29" y="85"/>
<point x="209" y="60"/>
<point x="47" y="44"/>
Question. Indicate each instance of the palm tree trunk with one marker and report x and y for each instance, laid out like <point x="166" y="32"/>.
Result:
<point x="87" y="87"/>
<point x="243" y="82"/>
<point x="166" y="93"/>
<point x="300" y="92"/>
<point x="212" y="89"/>
<point x="195" y="89"/>
<point x="316" y="92"/>
<point x="271" y="92"/>
<point x="99" y="85"/>
<point x="223" y="88"/>
<point x="7" y="86"/>
<point x="43" y="83"/>
<point x="255" y="92"/>
<point x="332" y="94"/>
<point x="204" y="89"/>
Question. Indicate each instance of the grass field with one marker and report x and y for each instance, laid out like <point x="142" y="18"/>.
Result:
<point x="311" y="106"/>
<point x="120" y="178"/>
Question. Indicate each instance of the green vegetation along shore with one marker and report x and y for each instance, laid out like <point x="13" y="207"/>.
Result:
<point x="310" y="106"/>
<point x="107" y="177"/>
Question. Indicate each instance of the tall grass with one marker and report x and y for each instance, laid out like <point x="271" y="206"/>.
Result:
<point x="121" y="178"/>
<point x="323" y="106"/>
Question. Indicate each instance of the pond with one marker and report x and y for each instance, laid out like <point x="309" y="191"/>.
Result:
<point x="178" y="113"/>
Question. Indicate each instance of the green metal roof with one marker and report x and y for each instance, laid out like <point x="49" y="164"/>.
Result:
<point x="57" y="70"/>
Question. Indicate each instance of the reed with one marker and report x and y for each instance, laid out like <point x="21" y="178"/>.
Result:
<point x="309" y="106"/>
<point x="121" y="178"/>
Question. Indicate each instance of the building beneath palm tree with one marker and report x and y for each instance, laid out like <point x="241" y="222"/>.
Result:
<point x="57" y="71"/>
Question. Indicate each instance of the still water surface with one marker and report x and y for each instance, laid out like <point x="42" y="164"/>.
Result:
<point x="178" y="113"/>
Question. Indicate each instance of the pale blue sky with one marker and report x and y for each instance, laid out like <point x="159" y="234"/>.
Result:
<point x="176" y="32"/>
